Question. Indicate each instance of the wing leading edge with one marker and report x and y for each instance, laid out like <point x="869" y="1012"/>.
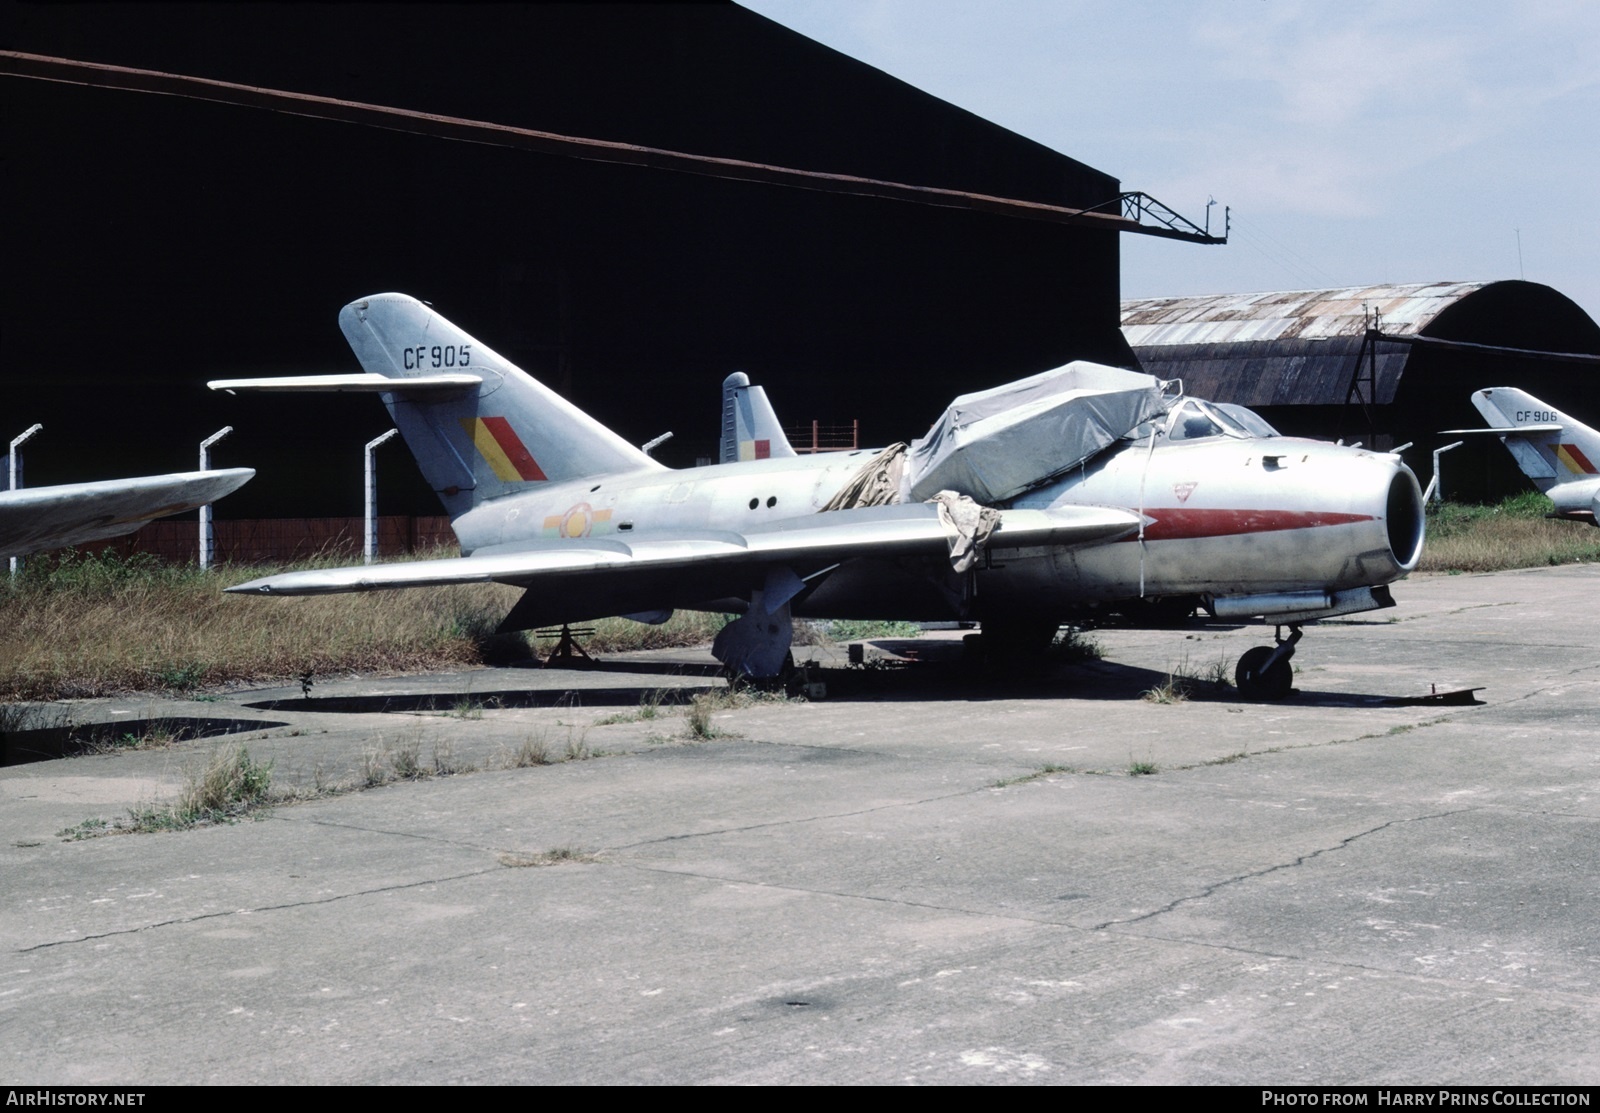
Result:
<point x="39" y="518"/>
<point x="819" y="540"/>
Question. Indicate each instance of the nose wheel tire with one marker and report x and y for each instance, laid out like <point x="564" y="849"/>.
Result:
<point x="1256" y="680"/>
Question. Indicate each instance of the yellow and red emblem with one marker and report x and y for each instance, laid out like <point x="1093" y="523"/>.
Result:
<point x="578" y="520"/>
<point x="504" y="451"/>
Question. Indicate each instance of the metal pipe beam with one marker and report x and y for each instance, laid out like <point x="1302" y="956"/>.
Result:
<point x="14" y="460"/>
<point x="208" y="544"/>
<point x="369" y="545"/>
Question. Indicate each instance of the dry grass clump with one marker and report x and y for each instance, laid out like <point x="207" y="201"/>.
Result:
<point x="1511" y="534"/>
<point x="620" y="635"/>
<point x="81" y="626"/>
<point x="86" y="626"/>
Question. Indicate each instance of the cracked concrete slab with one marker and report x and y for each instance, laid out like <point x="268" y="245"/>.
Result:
<point x="912" y="882"/>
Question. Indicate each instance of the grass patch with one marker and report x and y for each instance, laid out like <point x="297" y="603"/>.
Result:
<point x="698" y="720"/>
<point x="701" y="709"/>
<point x="1174" y="689"/>
<point x="1189" y="681"/>
<point x="227" y="787"/>
<point x="1048" y="769"/>
<point x="555" y="857"/>
<point x="1072" y="646"/>
<point x="649" y="709"/>
<point x="850" y="630"/>
<point x="229" y="784"/>
<point x="577" y="747"/>
<point x="623" y="635"/>
<point x="1513" y="533"/>
<point x="88" y="829"/>
<point x="531" y="751"/>
<point x="403" y="760"/>
<point x="1143" y="769"/>
<point x="76" y="626"/>
<point x="444" y="761"/>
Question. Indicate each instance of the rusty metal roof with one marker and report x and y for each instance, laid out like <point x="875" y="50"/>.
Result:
<point x="1288" y="315"/>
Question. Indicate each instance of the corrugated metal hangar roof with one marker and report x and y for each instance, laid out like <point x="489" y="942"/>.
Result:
<point x="1297" y="314"/>
<point x="1301" y="347"/>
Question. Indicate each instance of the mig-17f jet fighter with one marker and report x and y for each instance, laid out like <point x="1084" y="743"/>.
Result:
<point x="1557" y="452"/>
<point x="1080" y="487"/>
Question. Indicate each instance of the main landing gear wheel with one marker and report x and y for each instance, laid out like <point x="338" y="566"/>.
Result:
<point x="1257" y="680"/>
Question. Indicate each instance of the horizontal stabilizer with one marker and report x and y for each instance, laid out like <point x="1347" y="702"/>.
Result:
<point x="810" y="543"/>
<point x="1506" y="430"/>
<point x="358" y="384"/>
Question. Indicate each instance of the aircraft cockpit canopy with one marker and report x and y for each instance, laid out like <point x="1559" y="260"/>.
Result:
<point x="1193" y="419"/>
<point x="1247" y="419"/>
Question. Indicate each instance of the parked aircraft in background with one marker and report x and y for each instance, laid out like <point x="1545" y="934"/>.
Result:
<point x="750" y="429"/>
<point x="1557" y="452"/>
<point x="38" y="518"/>
<point x="1083" y="487"/>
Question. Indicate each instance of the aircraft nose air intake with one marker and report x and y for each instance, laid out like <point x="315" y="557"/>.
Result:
<point x="1404" y="518"/>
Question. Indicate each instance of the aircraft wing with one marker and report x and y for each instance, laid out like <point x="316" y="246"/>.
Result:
<point x="39" y="518"/>
<point x="815" y="541"/>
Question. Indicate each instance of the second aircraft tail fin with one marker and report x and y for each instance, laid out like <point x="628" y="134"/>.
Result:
<point x="750" y="429"/>
<point x="1550" y="447"/>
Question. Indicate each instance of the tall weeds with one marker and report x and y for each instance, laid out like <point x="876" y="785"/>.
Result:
<point x="1513" y="533"/>
<point x="74" y="626"/>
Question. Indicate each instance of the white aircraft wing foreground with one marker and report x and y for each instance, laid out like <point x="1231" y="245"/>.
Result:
<point x="38" y="518"/>
<point x="1087" y="488"/>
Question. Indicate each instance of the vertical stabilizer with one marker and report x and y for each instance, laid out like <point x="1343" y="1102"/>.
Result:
<point x="750" y="429"/>
<point x="484" y="441"/>
<point x="1551" y="448"/>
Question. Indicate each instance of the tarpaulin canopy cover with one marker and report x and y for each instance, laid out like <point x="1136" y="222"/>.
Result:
<point x="994" y="444"/>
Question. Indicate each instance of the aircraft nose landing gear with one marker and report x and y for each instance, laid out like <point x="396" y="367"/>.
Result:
<point x="1264" y="672"/>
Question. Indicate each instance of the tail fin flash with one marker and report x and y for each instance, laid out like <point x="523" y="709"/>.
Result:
<point x="1551" y="448"/>
<point x="478" y="425"/>
<point x="750" y="429"/>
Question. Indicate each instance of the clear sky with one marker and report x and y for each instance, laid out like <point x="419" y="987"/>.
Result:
<point x="1357" y="142"/>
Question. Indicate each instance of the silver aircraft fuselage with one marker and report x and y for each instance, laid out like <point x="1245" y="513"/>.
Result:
<point x="1223" y="516"/>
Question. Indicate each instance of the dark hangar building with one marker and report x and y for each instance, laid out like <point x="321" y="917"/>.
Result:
<point x="1384" y="365"/>
<point x="157" y="241"/>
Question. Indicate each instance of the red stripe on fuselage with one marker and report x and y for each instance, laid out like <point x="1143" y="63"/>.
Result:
<point x="1175" y="523"/>
<point x="506" y="437"/>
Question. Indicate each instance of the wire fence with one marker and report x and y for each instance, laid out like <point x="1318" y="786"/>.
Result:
<point x="824" y="437"/>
